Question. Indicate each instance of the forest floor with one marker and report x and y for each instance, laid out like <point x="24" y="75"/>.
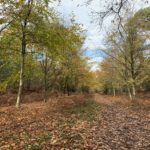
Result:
<point x="76" y="122"/>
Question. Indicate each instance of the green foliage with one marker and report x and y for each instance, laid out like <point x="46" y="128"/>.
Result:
<point x="127" y="64"/>
<point x="36" y="28"/>
<point x="141" y="18"/>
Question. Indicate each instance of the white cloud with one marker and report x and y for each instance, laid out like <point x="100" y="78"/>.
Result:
<point x="82" y="13"/>
<point x="94" y="63"/>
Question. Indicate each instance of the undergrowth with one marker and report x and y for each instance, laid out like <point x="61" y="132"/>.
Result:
<point x="85" y="110"/>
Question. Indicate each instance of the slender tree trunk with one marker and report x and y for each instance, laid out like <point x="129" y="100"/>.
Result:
<point x="45" y="79"/>
<point x="114" y="91"/>
<point x="68" y="92"/>
<point x="20" y="80"/>
<point x="23" y="52"/>
<point x="45" y="88"/>
<point x="133" y="70"/>
<point x="121" y="90"/>
<point x="64" y="91"/>
<point x="129" y="93"/>
<point x="133" y="90"/>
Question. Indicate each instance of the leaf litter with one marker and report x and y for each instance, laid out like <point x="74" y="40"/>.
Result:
<point x="74" y="123"/>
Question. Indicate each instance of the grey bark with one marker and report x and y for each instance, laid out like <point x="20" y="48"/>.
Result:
<point x="114" y="91"/>
<point x="133" y="90"/>
<point x="129" y="93"/>
<point x="20" y="81"/>
<point x="23" y="52"/>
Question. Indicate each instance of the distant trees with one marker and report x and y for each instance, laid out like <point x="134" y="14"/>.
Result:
<point x="38" y="51"/>
<point x="128" y="61"/>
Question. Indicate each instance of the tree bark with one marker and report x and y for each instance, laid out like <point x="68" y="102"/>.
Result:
<point x="68" y="90"/>
<point x="20" y="80"/>
<point x="23" y="52"/>
<point x="45" y="87"/>
<point x="121" y="90"/>
<point x="114" y="91"/>
<point x="45" y="95"/>
<point x="129" y="93"/>
<point x="133" y="90"/>
<point x="45" y="79"/>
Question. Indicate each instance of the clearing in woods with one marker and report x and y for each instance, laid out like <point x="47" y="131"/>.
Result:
<point x="74" y="122"/>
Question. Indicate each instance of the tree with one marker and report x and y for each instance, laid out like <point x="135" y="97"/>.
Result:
<point x="128" y="54"/>
<point x="25" y="20"/>
<point x="116" y="8"/>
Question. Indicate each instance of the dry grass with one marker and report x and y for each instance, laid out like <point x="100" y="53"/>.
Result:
<point x="141" y="101"/>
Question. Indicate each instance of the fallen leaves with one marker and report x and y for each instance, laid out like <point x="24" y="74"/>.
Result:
<point x="67" y="126"/>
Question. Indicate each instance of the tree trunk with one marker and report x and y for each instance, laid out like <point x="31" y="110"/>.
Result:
<point x="68" y="90"/>
<point x="64" y="91"/>
<point x="129" y="93"/>
<point x="114" y="91"/>
<point x="45" y="88"/>
<point x="20" y="81"/>
<point x="23" y="52"/>
<point x="133" y="90"/>
<point x="45" y="79"/>
<point x="121" y="90"/>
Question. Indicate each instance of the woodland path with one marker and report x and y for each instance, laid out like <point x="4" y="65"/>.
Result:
<point x="39" y="126"/>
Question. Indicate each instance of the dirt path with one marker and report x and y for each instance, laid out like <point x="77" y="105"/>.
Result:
<point x="40" y="126"/>
<point x="122" y="128"/>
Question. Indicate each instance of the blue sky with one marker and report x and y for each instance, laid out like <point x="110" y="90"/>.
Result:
<point x="94" y="35"/>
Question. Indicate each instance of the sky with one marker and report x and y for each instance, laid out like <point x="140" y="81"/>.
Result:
<point x="94" y="34"/>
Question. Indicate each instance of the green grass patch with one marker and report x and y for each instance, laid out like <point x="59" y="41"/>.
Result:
<point x="86" y="110"/>
<point x="38" y="143"/>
